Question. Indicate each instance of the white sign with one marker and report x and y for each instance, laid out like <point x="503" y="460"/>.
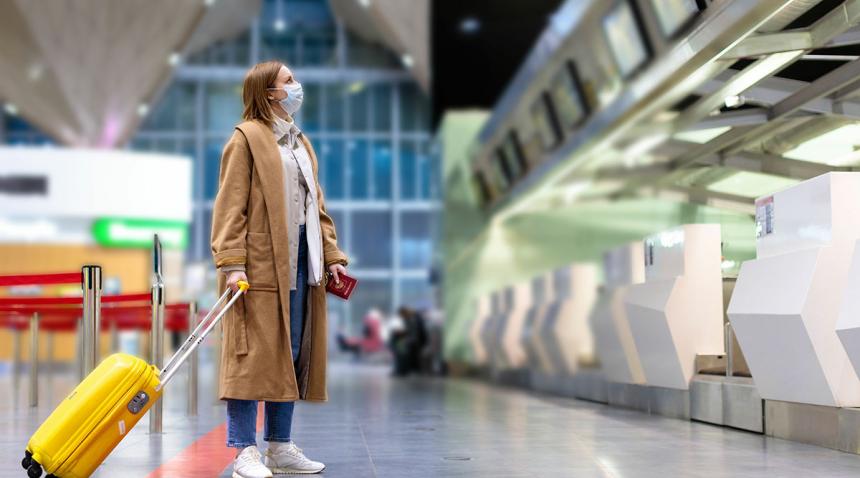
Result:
<point x="58" y="183"/>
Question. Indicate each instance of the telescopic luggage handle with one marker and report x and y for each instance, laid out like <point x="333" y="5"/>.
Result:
<point x="200" y="332"/>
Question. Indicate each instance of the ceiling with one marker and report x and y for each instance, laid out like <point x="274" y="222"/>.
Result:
<point x="400" y="26"/>
<point x="795" y="115"/>
<point x="85" y="71"/>
<point x="478" y="46"/>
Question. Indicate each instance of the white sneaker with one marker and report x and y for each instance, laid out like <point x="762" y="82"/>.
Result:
<point x="287" y="458"/>
<point x="249" y="464"/>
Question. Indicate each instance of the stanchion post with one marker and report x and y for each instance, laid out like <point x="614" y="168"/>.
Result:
<point x="79" y="348"/>
<point x="34" y="360"/>
<point x="193" y="363"/>
<point x="16" y="361"/>
<point x="157" y="333"/>
<point x="91" y="324"/>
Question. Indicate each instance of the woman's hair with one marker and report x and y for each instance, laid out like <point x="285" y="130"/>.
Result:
<point x="258" y="80"/>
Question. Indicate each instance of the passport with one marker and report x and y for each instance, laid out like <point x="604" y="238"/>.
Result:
<point x="344" y="289"/>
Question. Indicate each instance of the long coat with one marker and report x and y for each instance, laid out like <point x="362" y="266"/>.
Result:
<point x="249" y="226"/>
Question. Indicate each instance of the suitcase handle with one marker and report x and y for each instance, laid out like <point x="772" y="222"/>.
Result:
<point x="199" y="334"/>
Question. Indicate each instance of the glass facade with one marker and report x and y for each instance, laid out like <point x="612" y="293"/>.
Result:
<point x="368" y="121"/>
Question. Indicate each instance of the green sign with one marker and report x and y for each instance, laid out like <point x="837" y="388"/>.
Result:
<point x="138" y="233"/>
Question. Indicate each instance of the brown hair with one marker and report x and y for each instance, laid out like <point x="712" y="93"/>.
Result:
<point x="258" y="80"/>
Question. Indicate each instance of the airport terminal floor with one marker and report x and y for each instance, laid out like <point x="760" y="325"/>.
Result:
<point x="378" y="426"/>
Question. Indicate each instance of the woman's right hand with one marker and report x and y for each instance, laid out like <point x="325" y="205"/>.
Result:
<point x="233" y="278"/>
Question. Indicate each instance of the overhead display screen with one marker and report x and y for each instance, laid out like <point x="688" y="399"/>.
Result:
<point x="513" y="154"/>
<point x="625" y="39"/>
<point x="565" y="90"/>
<point x="674" y="14"/>
<point x="545" y="123"/>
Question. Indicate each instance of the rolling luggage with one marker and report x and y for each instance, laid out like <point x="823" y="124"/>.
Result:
<point x="89" y="423"/>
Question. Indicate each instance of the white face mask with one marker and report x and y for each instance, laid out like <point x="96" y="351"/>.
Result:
<point x="295" y="96"/>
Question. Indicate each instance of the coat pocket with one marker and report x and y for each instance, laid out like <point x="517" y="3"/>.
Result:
<point x="261" y="261"/>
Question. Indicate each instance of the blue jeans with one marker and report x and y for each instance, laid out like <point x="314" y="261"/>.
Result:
<point x="242" y="414"/>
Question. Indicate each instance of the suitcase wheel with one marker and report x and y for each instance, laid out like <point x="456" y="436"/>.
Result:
<point x="35" y="471"/>
<point x="27" y="461"/>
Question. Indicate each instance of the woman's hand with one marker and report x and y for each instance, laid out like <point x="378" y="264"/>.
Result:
<point x="336" y="270"/>
<point x="233" y="277"/>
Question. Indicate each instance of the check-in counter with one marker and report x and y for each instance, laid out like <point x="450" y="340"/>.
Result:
<point x="513" y="354"/>
<point x="616" y="350"/>
<point x="566" y="339"/>
<point x="785" y="309"/>
<point x="482" y="314"/>
<point x="677" y="313"/>
<point x="543" y="296"/>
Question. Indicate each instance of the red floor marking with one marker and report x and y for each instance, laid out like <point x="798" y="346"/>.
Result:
<point x="208" y="456"/>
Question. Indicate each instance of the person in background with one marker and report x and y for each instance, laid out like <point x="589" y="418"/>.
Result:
<point x="270" y="227"/>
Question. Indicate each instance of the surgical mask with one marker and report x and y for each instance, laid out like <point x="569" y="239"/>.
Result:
<point x="295" y="96"/>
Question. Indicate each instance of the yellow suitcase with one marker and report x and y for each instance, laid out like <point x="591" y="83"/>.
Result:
<point x="90" y="422"/>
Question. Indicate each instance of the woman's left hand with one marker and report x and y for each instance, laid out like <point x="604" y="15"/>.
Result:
<point x="336" y="270"/>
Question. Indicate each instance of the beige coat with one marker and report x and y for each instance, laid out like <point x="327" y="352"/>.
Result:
<point x="249" y="227"/>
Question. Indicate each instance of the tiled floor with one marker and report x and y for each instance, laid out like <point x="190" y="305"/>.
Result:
<point x="375" y="426"/>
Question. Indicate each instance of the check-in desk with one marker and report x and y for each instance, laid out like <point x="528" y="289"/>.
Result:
<point x="482" y="314"/>
<point x="566" y="340"/>
<point x="677" y="313"/>
<point x="614" y="345"/>
<point x="543" y="295"/>
<point x="785" y="310"/>
<point x="499" y="304"/>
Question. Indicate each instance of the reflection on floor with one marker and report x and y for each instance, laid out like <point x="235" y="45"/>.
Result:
<point x="375" y="426"/>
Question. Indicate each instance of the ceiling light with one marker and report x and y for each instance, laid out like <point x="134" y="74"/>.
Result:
<point x="280" y="25"/>
<point x="355" y="87"/>
<point x="407" y="60"/>
<point x="364" y="3"/>
<point x="209" y="3"/>
<point x="10" y="109"/>
<point x="470" y="25"/>
<point x="142" y="109"/>
<point x="174" y="58"/>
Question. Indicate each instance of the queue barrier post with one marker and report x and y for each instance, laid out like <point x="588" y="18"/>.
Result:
<point x="157" y="333"/>
<point x="91" y="323"/>
<point x="34" y="360"/>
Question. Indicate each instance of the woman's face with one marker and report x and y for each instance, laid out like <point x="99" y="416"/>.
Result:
<point x="285" y="77"/>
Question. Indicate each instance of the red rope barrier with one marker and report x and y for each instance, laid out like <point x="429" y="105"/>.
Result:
<point x="106" y="299"/>
<point x="41" y="279"/>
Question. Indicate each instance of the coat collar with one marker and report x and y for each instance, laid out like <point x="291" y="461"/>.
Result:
<point x="266" y="157"/>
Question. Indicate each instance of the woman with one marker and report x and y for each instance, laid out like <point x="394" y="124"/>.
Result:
<point x="270" y="227"/>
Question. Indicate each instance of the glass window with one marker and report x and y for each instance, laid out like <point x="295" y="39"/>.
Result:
<point x="414" y="108"/>
<point x="212" y="166"/>
<point x="334" y="100"/>
<point x="416" y="240"/>
<point x="375" y="294"/>
<point x="331" y="173"/>
<point x="223" y="106"/>
<point x="381" y="99"/>
<point x="359" y="107"/>
<point x="310" y="113"/>
<point x="318" y="49"/>
<point x="625" y="39"/>
<point x="381" y="170"/>
<point x="427" y="172"/>
<point x="416" y="293"/>
<point x="371" y="239"/>
<point x="339" y="218"/>
<point x="174" y="110"/>
<point x="358" y="167"/>
<point x="408" y="170"/>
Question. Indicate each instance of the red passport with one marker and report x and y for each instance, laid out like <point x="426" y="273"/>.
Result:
<point x="344" y="288"/>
